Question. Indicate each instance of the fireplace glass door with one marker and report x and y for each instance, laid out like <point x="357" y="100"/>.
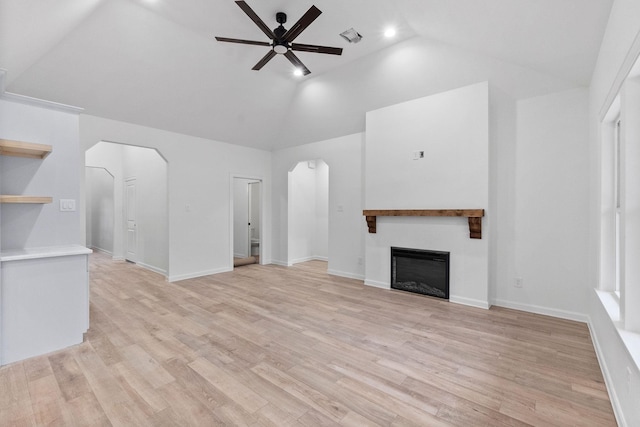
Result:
<point x="421" y="271"/>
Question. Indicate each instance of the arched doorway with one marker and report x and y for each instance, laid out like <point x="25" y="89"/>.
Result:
<point x="139" y="208"/>
<point x="308" y="227"/>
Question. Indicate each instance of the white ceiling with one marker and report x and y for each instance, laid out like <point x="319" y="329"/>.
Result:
<point x="157" y="63"/>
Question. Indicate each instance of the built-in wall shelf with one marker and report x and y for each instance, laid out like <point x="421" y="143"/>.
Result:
<point x="32" y="151"/>
<point x="24" y="149"/>
<point x="25" y="199"/>
<point x="474" y="217"/>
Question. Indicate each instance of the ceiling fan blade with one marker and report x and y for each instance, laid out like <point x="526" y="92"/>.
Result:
<point x="264" y="60"/>
<point x="302" y="23"/>
<point x="255" y="18"/>
<point x="226" y="39"/>
<point x="296" y="62"/>
<point x="316" y="49"/>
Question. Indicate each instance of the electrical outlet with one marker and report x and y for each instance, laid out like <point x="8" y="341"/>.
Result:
<point x="417" y="155"/>
<point x="518" y="282"/>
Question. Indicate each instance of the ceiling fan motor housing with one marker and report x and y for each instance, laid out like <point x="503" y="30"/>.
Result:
<point x="279" y="45"/>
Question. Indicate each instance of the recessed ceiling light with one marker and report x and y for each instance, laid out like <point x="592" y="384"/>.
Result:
<point x="389" y="32"/>
<point x="297" y="72"/>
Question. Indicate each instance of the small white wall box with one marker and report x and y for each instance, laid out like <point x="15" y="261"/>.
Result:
<point x="67" y="205"/>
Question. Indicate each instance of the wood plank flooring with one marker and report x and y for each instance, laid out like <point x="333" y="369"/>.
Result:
<point x="275" y="346"/>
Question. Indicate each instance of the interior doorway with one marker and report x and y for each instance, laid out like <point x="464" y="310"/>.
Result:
<point x="247" y="221"/>
<point x="100" y="208"/>
<point x="308" y="212"/>
<point x="137" y="211"/>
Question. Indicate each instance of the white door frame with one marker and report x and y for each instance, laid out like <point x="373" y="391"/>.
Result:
<point x="232" y="177"/>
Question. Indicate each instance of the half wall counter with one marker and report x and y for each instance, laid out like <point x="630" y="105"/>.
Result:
<point x="44" y="300"/>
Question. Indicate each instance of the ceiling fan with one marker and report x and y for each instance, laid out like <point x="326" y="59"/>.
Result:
<point x="282" y="39"/>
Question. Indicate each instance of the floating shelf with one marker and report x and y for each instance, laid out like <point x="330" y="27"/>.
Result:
<point x="474" y="217"/>
<point x="24" y="149"/>
<point x="25" y="199"/>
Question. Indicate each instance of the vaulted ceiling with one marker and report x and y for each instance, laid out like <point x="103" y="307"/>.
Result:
<point x="156" y="63"/>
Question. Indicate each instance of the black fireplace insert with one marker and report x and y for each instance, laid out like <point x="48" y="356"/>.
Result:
<point x="420" y="271"/>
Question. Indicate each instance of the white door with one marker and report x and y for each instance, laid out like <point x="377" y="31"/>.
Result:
<point x="130" y="218"/>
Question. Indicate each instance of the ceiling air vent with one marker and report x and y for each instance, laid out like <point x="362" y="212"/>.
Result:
<point x="351" y="35"/>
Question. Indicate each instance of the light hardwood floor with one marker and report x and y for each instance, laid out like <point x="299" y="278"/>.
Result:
<point x="275" y="346"/>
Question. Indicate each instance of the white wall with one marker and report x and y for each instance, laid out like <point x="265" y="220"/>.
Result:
<point x="552" y="172"/>
<point x="199" y="191"/>
<point x="346" y="223"/>
<point x="619" y="50"/>
<point x="502" y="193"/>
<point x="58" y="176"/>
<point x="452" y="129"/>
<point x="100" y="209"/>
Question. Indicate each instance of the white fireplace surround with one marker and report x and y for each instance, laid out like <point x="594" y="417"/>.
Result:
<point x="452" y="128"/>
<point x="468" y="268"/>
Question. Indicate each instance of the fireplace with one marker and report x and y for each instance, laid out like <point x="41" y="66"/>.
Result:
<point x="420" y="271"/>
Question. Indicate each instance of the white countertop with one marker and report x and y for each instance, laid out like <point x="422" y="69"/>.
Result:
<point x="43" y="252"/>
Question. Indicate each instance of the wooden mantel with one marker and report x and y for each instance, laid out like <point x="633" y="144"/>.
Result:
<point x="474" y="216"/>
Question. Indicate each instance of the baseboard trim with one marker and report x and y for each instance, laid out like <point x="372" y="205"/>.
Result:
<point x="280" y="263"/>
<point x="102" y="251"/>
<point x="346" y="275"/>
<point x="376" y="284"/>
<point x="469" y="301"/>
<point x="562" y="314"/>
<point x="152" y="268"/>
<point x="309" y="258"/>
<point x="179" y="277"/>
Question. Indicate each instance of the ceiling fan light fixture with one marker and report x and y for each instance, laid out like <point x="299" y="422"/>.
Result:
<point x="280" y="48"/>
<point x="351" y="35"/>
<point x="298" y="72"/>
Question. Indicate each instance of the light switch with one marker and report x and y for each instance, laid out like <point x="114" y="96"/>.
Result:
<point x="67" y="205"/>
